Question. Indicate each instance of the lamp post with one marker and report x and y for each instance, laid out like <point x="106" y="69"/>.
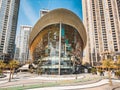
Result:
<point x="76" y="71"/>
<point x="59" y="48"/>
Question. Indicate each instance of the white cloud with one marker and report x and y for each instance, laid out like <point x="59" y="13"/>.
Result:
<point x="29" y="12"/>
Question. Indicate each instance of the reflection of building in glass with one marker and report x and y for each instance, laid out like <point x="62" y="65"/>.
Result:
<point x="57" y="41"/>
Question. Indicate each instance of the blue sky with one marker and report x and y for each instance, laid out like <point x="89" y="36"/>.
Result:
<point x="29" y="11"/>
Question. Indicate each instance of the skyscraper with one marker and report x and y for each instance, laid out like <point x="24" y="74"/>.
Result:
<point x="8" y="23"/>
<point x="101" y="20"/>
<point x="23" y="43"/>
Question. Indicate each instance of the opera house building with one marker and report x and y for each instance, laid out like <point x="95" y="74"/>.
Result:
<point x="57" y="41"/>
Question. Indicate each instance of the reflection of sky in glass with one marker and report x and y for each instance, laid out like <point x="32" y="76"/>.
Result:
<point x="30" y="9"/>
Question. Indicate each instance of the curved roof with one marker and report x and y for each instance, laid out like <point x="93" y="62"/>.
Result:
<point x="59" y="16"/>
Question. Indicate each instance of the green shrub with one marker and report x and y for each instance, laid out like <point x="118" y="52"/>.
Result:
<point x="0" y="71"/>
<point x="117" y="73"/>
<point x="93" y="71"/>
<point x="100" y="71"/>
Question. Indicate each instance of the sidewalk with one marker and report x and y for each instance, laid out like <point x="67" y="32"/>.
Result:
<point x="26" y="79"/>
<point x="102" y="82"/>
<point x="4" y="80"/>
<point x="64" y="82"/>
<point x="57" y="78"/>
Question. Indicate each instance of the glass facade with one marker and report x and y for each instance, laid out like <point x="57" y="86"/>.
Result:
<point x="59" y="49"/>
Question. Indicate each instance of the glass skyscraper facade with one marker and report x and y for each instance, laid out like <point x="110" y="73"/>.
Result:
<point x="8" y="23"/>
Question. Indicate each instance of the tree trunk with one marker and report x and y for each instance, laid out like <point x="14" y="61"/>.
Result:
<point x="13" y="73"/>
<point x="76" y="76"/>
<point x="109" y="75"/>
<point x="10" y="75"/>
<point x="2" y="71"/>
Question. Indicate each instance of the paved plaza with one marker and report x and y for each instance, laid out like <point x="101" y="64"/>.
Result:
<point x="57" y="82"/>
<point x="102" y="82"/>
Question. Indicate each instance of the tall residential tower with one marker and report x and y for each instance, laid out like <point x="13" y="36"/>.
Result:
<point x="8" y="23"/>
<point x="24" y="43"/>
<point x="102" y="23"/>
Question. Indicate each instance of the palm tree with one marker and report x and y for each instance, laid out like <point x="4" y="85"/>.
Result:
<point x="39" y="67"/>
<point x="118" y="62"/>
<point x="108" y="63"/>
<point x="2" y="66"/>
<point x="12" y="65"/>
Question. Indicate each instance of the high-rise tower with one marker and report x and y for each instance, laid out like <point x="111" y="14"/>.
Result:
<point x="23" y="43"/>
<point x="101" y="20"/>
<point x="8" y="23"/>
